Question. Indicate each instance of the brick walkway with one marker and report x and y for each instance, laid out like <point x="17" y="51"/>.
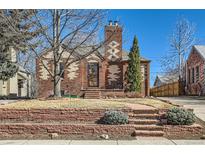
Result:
<point x="139" y="106"/>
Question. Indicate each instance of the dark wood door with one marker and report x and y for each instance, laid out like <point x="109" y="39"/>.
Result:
<point x="93" y="74"/>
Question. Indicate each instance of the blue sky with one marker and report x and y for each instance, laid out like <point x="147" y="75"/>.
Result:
<point x="153" y="28"/>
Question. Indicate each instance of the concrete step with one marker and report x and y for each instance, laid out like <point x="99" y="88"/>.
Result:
<point x="144" y="116"/>
<point x="149" y="127"/>
<point x="143" y="121"/>
<point x="88" y="97"/>
<point x="92" y="94"/>
<point x="148" y="133"/>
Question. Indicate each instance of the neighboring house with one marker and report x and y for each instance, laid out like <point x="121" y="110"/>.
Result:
<point x="167" y="85"/>
<point x="102" y="72"/>
<point x="19" y="85"/>
<point x="195" y="71"/>
<point x="166" y="79"/>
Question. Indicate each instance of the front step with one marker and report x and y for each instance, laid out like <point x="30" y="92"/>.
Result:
<point x="92" y="94"/>
<point x="143" y="121"/>
<point x="145" y="111"/>
<point x="149" y="127"/>
<point x="148" y="133"/>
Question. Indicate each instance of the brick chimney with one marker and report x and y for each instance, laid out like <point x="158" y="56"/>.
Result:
<point x="113" y="46"/>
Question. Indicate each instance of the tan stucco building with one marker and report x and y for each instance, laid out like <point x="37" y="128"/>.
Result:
<point x="19" y="85"/>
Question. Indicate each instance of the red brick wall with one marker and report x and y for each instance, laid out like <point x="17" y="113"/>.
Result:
<point x="197" y="87"/>
<point x="45" y="87"/>
<point x="113" y="33"/>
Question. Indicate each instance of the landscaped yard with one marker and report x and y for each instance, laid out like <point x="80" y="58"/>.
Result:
<point x="86" y="103"/>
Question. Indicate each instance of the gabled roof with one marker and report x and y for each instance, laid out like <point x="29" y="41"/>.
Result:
<point x="125" y="56"/>
<point x="200" y="49"/>
<point x="80" y="52"/>
<point x="99" y="52"/>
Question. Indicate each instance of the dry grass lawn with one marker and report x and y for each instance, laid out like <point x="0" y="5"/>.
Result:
<point x="86" y="103"/>
<point x="64" y="103"/>
<point x="146" y="101"/>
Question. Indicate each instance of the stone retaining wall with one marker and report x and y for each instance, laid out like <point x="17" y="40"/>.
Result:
<point x="59" y="131"/>
<point x="182" y="131"/>
<point x="53" y="114"/>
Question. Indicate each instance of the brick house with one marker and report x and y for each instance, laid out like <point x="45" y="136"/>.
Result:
<point x="195" y="71"/>
<point x="100" y="74"/>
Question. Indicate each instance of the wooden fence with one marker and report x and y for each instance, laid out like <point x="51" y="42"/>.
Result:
<point x="170" y="89"/>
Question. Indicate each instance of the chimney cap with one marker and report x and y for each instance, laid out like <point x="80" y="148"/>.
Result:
<point x="110" y="22"/>
<point x="116" y="23"/>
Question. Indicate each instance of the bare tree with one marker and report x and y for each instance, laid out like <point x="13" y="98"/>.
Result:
<point x="68" y="31"/>
<point x="180" y="42"/>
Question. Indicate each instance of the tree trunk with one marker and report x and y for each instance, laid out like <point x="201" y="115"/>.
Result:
<point x="57" y="82"/>
<point x="57" y="78"/>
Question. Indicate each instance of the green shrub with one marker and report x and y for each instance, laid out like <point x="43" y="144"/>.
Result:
<point x="114" y="118"/>
<point x="179" y="116"/>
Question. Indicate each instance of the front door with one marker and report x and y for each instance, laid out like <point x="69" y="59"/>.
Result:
<point x="93" y="74"/>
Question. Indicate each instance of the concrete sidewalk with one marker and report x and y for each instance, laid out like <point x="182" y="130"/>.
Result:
<point x="138" y="141"/>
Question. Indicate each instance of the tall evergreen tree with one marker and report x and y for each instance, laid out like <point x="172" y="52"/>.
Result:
<point x="7" y="67"/>
<point x="134" y="69"/>
<point x="17" y="31"/>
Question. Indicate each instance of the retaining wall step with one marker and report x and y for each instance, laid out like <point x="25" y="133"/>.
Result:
<point x="148" y="133"/>
<point x="144" y="116"/>
<point x="145" y="111"/>
<point x="149" y="127"/>
<point x="143" y="121"/>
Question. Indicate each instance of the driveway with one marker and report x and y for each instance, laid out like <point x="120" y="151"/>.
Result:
<point x="196" y="103"/>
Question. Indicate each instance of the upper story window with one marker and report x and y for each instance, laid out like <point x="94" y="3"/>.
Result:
<point x="197" y="73"/>
<point x="192" y="75"/>
<point x="61" y="70"/>
<point x="189" y="76"/>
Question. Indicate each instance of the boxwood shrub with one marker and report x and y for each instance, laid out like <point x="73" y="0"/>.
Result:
<point x="180" y="116"/>
<point x="114" y="118"/>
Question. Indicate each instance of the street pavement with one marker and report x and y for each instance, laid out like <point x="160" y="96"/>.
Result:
<point x="196" y="103"/>
<point x="138" y="141"/>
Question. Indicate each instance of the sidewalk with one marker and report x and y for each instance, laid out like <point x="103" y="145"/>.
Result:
<point x="138" y="141"/>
